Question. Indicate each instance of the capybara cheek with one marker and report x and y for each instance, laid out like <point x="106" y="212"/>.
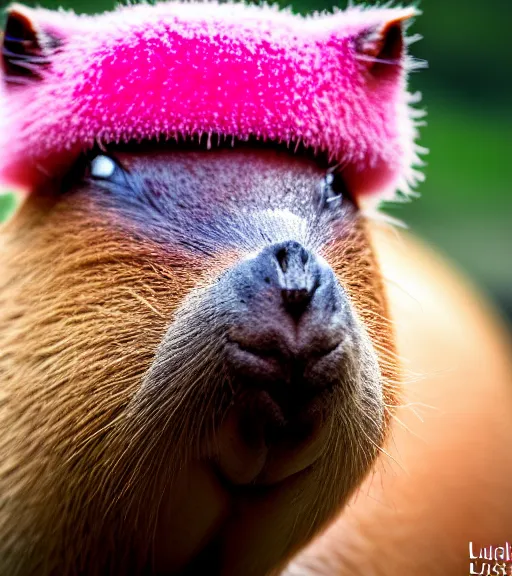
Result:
<point x="184" y="529"/>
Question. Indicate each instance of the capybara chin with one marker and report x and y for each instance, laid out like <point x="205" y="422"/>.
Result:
<point x="189" y="341"/>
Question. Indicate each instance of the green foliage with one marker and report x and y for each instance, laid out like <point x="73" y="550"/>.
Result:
<point x="7" y="205"/>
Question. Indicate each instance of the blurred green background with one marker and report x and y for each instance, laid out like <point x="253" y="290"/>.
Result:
<point x="465" y="206"/>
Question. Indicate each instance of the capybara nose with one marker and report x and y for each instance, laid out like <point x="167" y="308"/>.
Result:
<point x="297" y="275"/>
<point x="288" y="324"/>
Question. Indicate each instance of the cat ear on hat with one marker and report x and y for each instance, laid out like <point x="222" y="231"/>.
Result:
<point x="381" y="48"/>
<point x="27" y="47"/>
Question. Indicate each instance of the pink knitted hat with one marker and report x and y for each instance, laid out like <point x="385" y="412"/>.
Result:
<point x="335" y="83"/>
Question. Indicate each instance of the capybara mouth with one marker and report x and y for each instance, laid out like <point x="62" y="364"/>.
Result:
<point x="285" y="387"/>
<point x="268" y="435"/>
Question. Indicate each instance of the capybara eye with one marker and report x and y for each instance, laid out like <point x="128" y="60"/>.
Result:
<point x="102" y="167"/>
<point x="333" y="191"/>
<point x="105" y="169"/>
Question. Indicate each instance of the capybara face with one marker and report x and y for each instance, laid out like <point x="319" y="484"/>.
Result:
<point x="189" y="361"/>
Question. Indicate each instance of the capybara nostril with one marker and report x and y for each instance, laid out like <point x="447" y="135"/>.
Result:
<point x="297" y="277"/>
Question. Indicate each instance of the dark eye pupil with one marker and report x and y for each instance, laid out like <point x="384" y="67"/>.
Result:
<point x="335" y="183"/>
<point x="333" y="190"/>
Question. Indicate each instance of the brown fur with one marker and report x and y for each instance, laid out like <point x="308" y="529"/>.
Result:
<point x="79" y="335"/>
<point x="353" y="260"/>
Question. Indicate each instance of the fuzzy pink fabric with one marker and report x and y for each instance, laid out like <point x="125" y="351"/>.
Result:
<point x="173" y="70"/>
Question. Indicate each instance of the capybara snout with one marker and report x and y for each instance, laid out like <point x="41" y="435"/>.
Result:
<point x="286" y="344"/>
<point x="290" y="351"/>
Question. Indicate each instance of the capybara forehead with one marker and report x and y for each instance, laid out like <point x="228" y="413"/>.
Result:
<point x="231" y="180"/>
<point x="209" y="201"/>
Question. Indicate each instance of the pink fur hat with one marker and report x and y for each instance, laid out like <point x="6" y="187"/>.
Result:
<point x="335" y="83"/>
